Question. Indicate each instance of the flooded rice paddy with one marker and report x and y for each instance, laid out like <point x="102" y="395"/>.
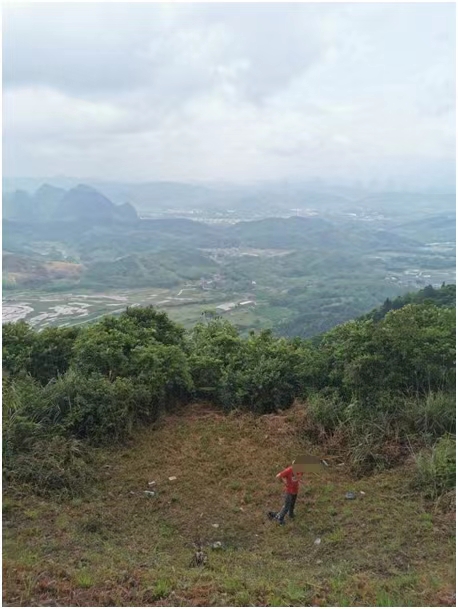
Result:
<point x="43" y="309"/>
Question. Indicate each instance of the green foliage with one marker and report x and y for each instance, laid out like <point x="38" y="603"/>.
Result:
<point x="18" y="341"/>
<point x="52" y="353"/>
<point x="93" y="407"/>
<point x="107" y="347"/>
<point x="211" y="349"/>
<point x="46" y="462"/>
<point x="412" y="350"/>
<point x="53" y="464"/>
<point x="326" y="412"/>
<point x="445" y="296"/>
<point x="433" y="416"/>
<point x="64" y="386"/>
<point x="376" y="434"/>
<point x="44" y="354"/>
<point x="374" y="385"/>
<point x="261" y="373"/>
<point x="22" y="414"/>
<point x="436" y="468"/>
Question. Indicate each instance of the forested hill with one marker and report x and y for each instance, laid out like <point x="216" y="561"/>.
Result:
<point x="445" y="296"/>
<point x="50" y="204"/>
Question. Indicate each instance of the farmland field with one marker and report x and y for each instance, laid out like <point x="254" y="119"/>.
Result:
<point x="185" y="305"/>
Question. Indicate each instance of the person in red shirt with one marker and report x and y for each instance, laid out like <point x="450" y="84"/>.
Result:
<point x="291" y="476"/>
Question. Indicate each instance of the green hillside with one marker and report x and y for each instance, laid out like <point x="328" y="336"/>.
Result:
<point x="164" y="269"/>
<point x="445" y="296"/>
<point x="327" y="307"/>
<point x="437" y="227"/>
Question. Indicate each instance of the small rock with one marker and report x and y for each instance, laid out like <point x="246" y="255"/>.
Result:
<point x="362" y="492"/>
<point x="216" y="526"/>
<point x="350" y="495"/>
<point x="317" y="541"/>
<point x="152" y="483"/>
<point x="217" y="545"/>
<point x="172" y="477"/>
<point x="149" y="493"/>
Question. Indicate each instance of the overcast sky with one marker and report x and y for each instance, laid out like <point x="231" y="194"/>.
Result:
<point x="228" y="91"/>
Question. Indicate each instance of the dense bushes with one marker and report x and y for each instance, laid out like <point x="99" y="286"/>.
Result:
<point x="35" y="449"/>
<point x="44" y="355"/>
<point x="412" y="350"/>
<point x="261" y="373"/>
<point x="385" y="384"/>
<point x="371" y="384"/>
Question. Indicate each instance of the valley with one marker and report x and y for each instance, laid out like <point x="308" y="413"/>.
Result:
<point x="71" y="257"/>
<point x="187" y="305"/>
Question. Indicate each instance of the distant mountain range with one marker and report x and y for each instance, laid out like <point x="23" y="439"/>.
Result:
<point x="50" y="204"/>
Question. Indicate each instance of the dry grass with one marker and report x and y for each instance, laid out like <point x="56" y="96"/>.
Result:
<point x="117" y="547"/>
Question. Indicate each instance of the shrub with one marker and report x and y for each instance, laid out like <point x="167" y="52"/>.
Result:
<point x="434" y="415"/>
<point x="22" y="414"/>
<point x="34" y="449"/>
<point x="436" y="468"/>
<point x="52" y="463"/>
<point x="18" y="340"/>
<point x="52" y="352"/>
<point x="93" y="407"/>
<point x="325" y="411"/>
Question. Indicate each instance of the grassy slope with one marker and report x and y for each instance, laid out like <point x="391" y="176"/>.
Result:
<point x="119" y="547"/>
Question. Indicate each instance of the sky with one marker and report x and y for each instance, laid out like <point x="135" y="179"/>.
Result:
<point x="229" y="92"/>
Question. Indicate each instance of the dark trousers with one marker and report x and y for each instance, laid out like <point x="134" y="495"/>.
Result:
<point x="288" y="506"/>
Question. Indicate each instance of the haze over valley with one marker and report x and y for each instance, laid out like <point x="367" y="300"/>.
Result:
<point x="280" y="256"/>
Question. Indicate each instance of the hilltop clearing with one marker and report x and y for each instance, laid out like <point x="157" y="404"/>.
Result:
<point x="113" y="467"/>
<point x="117" y="546"/>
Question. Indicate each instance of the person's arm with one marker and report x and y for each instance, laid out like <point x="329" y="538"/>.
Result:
<point x="282" y="476"/>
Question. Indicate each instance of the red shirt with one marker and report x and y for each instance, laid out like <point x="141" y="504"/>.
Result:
<point x="291" y="480"/>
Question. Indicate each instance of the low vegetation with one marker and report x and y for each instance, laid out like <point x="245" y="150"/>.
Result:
<point x="117" y="546"/>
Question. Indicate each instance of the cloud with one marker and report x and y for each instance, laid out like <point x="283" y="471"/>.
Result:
<point x="96" y="49"/>
<point x="231" y="91"/>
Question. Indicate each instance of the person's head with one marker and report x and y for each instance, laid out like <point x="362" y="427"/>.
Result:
<point x="306" y="463"/>
<point x="297" y="467"/>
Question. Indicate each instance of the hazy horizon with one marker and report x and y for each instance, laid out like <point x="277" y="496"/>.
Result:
<point x="231" y="93"/>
